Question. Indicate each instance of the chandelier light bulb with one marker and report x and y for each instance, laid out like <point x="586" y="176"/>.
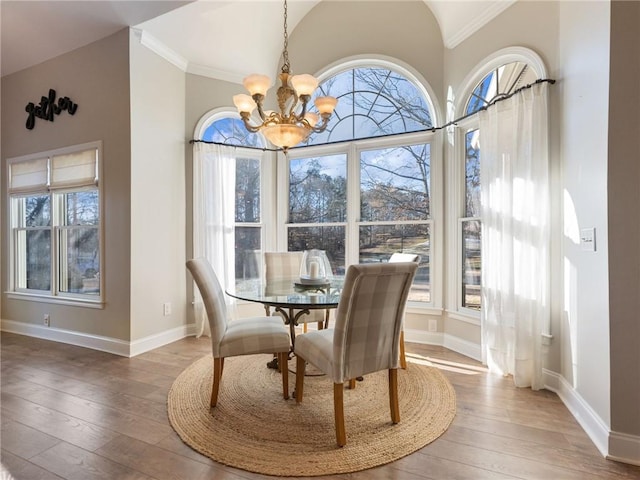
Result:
<point x="304" y="84"/>
<point x="244" y="103"/>
<point x="326" y="105"/>
<point x="257" y="84"/>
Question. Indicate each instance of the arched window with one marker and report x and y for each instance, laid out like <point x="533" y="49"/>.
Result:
<point x="372" y="102"/>
<point x="497" y="77"/>
<point x="362" y="190"/>
<point x="231" y="131"/>
<point x="499" y="83"/>
<point x="221" y="126"/>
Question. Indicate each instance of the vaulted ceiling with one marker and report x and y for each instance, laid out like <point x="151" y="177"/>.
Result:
<point x="35" y="31"/>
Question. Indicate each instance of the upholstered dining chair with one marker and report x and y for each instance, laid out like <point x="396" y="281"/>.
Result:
<point x="245" y="336"/>
<point x="286" y="266"/>
<point x="365" y="338"/>
<point x="403" y="257"/>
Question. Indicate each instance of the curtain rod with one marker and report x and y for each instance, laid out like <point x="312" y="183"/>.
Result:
<point x="497" y="99"/>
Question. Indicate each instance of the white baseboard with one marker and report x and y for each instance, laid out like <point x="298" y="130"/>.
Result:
<point x="97" y="342"/>
<point x="464" y="347"/>
<point x="163" y="338"/>
<point x="624" y="448"/>
<point x="588" y="419"/>
<point x="422" y="336"/>
<point x="617" y="446"/>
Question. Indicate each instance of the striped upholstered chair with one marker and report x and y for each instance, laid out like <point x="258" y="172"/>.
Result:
<point x="403" y="257"/>
<point x="366" y="335"/>
<point x="286" y="265"/>
<point x="240" y="337"/>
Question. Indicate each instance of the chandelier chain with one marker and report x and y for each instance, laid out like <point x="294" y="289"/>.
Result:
<point x="285" y="53"/>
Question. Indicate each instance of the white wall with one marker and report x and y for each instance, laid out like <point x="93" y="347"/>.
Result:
<point x="158" y="273"/>
<point x="584" y="85"/>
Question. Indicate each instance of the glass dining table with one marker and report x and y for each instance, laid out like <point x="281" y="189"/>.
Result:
<point x="291" y="298"/>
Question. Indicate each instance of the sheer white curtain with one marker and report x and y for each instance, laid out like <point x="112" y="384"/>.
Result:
<point x="214" y="181"/>
<point x="515" y="234"/>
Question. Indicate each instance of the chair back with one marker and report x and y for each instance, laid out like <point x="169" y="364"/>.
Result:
<point x="369" y="318"/>
<point x="282" y="265"/>
<point x="212" y="297"/>
<point x="286" y="266"/>
<point x="404" y="257"/>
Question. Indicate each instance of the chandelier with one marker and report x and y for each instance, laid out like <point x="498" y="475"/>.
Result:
<point x="294" y="122"/>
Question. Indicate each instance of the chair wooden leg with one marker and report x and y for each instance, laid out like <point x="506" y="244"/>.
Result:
<point x="320" y="325"/>
<point x="338" y="411"/>
<point x="393" y="395"/>
<point x="304" y="328"/>
<point x="301" y="365"/>
<point x="282" y="365"/>
<point x="217" y="374"/>
<point x="403" y="358"/>
<point x="352" y="384"/>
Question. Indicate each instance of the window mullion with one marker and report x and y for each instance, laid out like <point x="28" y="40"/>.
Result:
<point x="59" y="271"/>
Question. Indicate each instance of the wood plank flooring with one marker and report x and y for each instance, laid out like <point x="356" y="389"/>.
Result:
<point x="72" y="413"/>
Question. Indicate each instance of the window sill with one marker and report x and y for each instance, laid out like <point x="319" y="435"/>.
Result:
<point x="70" y="301"/>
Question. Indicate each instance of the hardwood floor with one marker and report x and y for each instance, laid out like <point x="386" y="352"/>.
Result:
<point x="73" y="413"/>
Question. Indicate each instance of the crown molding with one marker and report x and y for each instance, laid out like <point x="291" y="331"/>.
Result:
<point x="156" y="46"/>
<point x="492" y="11"/>
<point x="205" y="71"/>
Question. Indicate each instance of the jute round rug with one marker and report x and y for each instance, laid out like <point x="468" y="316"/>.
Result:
<point x="253" y="428"/>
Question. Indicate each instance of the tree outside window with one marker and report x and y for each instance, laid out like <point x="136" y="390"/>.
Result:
<point x="394" y="178"/>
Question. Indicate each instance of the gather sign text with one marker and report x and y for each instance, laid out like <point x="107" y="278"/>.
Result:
<point x="48" y="107"/>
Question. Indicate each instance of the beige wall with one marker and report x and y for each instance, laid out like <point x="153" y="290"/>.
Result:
<point x="158" y="273"/>
<point x="624" y="221"/>
<point x="96" y="77"/>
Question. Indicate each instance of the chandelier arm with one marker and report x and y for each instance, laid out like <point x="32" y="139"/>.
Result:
<point x="322" y="127"/>
<point x="305" y="100"/>
<point x="259" y="98"/>
<point x="247" y="125"/>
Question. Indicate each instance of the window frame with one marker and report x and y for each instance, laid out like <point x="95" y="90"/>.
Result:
<point x="57" y="224"/>
<point x="457" y="158"/>
<point x="352" y="149"/>
<point x="267" y="178"/>
<point x="464" y="127"/>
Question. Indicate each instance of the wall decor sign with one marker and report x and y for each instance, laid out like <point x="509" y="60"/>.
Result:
<point x="48" y="107"/>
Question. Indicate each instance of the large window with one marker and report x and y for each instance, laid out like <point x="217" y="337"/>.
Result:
<point x="318" y="206"/>
<point x="372" y="102"/>
<point x="55" y="224"/>
<point x="248" y="188"/>
<point x="499" y="82"/>
<point x="369" y="195"/>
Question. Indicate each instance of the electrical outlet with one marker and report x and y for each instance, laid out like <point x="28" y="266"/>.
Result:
<point x="47" y="320"/>
<point x="167" y="308"/>
<point x="433" y="325"/>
